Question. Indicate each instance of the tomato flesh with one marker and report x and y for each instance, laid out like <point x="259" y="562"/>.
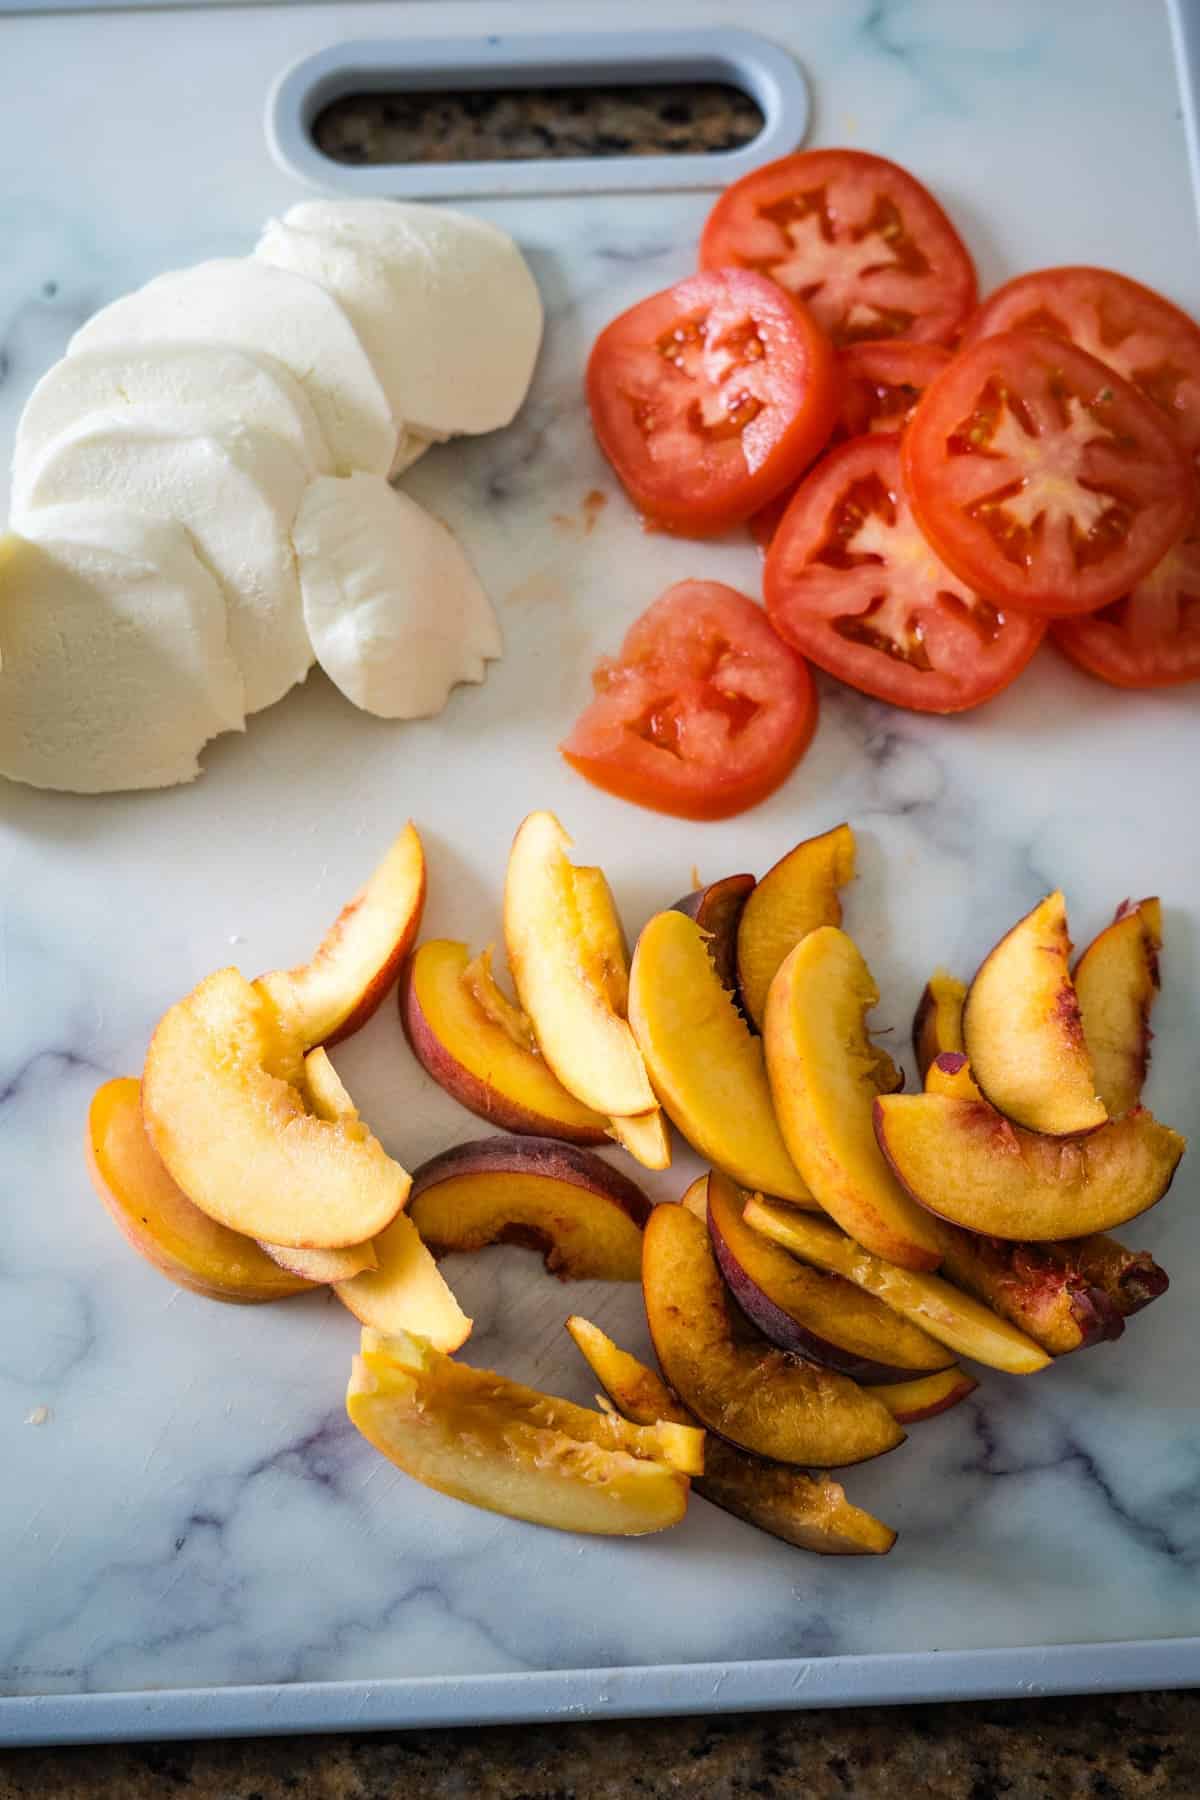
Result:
<point x="710" y="397"/>
<point x="856" y="237"/>
<point x="852" y="583"/>
<point x="703" y="714"/>
<point x="1151" y="636"/>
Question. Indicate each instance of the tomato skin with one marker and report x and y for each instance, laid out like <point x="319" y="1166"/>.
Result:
<point x="703" y="714"/>
<point x="924" y="291"/>
<point x="1149" y="638"/>
<point x="739" y="343"/>
<point x="1021" y="442"/>
<point x="1135" y="330"/>
<point x="850" y="581"/>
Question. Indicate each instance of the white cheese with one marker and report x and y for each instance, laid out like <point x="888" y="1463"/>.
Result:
<point x="252" y="306"/>
<point x="115" y="668"/>
<point x="236" y="492"/>
<point x="395" y="612"/>
<point x="444" y="303"/>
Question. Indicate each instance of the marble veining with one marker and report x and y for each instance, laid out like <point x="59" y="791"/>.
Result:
<point x="194" y="1507"/>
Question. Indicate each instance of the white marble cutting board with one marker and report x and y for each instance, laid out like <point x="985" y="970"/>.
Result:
<point x="195" y="1509"/>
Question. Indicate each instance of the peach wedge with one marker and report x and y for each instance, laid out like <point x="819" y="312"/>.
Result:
<point x="755" y="1396"/>
<point x="824" y="1074"/>
<point x="811" y="1512"/>
<point x="716" y="909"/>
<point x="1023" y="1033"/>
<point x="157" y="1217"/>
<point x="937" y="1022"/>
<point x="1117" y="982"/>
<point x="928" y="1395"/>
<point x="792" y="899"/>
<point x="328" y="1099"/>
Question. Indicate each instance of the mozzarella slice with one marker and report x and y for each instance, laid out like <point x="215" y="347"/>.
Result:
<point x="395" y="612"/>
<point x="236" y="493"/>
<point x="115" y="667"/>
<point x="445" y="304"/>
<point x="251" y="306"/>
<point x="214" y="385"/>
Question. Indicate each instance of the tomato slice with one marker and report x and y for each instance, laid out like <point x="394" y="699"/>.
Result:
<point x="1041" y="477"/>
<point x="704" y="713"/>
<point x="1130" y="327"/>
<point x="1151" y="637"/>
<point x="710" y="397"/>
<point x="856" y="237"/>
<point x="851" y="582"/>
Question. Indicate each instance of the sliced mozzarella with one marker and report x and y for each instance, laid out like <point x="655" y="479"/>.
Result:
<point x="395" y="612"/>
<point x="236" y="492"/>
<point x="115" y="668"/>
<point x="445" y="304"/>
<point x="213" y="384"/>
<point x="252" y="306"/>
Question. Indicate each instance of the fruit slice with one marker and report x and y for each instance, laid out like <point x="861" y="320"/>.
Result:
<point x="954" y="1319"/>
<point x="969" y="1164"/>
<point x="646" y="1138"/>
<point x="1117" y="982"/>
<point x="792" y="899"/>
<point x="157" y="1217"/>
<point x="824" y="1074"/>
<point x="695" y="1198"/>
<point x="912" y="1401"/>
<point x="706" y="1065"/>
<point x="584" y="1216"/>
<point x="331" y="996"/>
<point x="937" y="1022"/>
<point x="1023" y="1033"/>
<point x="810" y="1512"/>
<point x="1048" y="1298"/>
<point x="582" y="1037"/>
<point x="752" y="1394"/>
<point x="480" y="1438"/>
<point x="807" y="1311"/>
<point x="407" y="1291"/>
<point x="950" y="1073"/>
<point x="1130" y="1279"/>
<point x="328" y="1099"/>
<point x="237" y="1137"/>
<point x="717" y="909"/>
<point x="467" y="1034"/>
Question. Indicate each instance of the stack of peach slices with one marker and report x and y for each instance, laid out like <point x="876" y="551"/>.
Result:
<point x="807" y="1299"/>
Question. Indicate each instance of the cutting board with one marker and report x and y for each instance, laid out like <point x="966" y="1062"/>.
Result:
<point x="194" y="1538"/>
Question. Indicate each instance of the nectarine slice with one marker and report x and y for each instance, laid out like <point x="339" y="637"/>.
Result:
<point x="928" y="1395"/>
<point x="645" y="1136"/>
<point x="1117" y="982"/>
<point x="467" y="1034"/>
<point x="792" y="899"/>
<point x="157" y="1217"/>
<point x="1023" y="1033"/>
<point x="810" y="1512"/>
<point x="824" y="1074"/>
<point x="937" y="1022"/>
<point x="358" y="959"/>
<point x="717" y="908"/>
<point x="550" y="924"/>
<point x="749" y="1392"/>
<point x="584" y="1216"/>
<point x="706" y="1065"/>
<point x="237" y="1137"/>
<point x="954" y="1319"/>
<point x="328" y="1099"/>
<point x="967" y="1163"/>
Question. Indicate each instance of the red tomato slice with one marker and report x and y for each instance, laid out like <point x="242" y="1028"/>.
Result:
<point x="1130" y="327"/>
<point x="1151" y="637"/>
<point x="851" y="582"/>
<point x="1041" y="477"/>
<point x="858" y="238"/>
<point x="703" y="714"/>
<point x="710" y="397"/>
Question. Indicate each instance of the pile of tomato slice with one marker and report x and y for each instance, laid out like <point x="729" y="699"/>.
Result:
<point x="935" y="482"/>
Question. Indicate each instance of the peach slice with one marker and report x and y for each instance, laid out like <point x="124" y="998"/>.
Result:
<point x="810" y="1512"/>
<point x="584" y="1216"/>
<point x="1049" y="1299"/>
<point x="954" y="1319"/>
<point x="564" y="982"/>
<point x="467" y="1034"/>
<point x="824" y="1074"/>
<point x="937" y="1022"/>
<point x="359" y="957"/>
<point x="406" y="1291"/>
<point x="706" y="1065"/>
<point x="236" y="1136"/>
<point x="1117" y="982"/>
<point x="717" y="909"/>
<point x="807" y="1311"/>
<point x="695" y="1198"/>
<point x="967" y="1163"/>
<point x="912" y="1401"/>
<point x="950" y="1073"/>
<point x="645" y="1136"/>
<point x="1023" y="1033"/>
<point x="157" y="1217"/>
<point x="328" y="1099"/>
<point x="792" y="899"/>
<point x="1129" y="1279"/>
<point x="755" y="1396"/>
<point x="482" y="1439"/>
